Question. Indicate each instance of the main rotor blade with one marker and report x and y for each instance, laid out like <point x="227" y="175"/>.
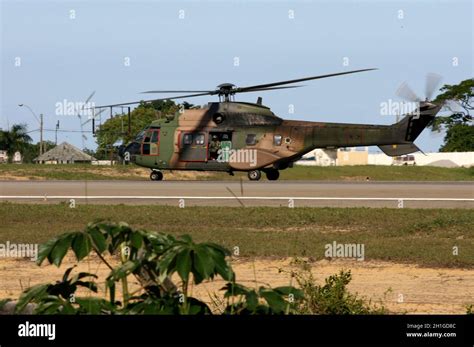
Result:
<point x="149" y="101"/>
<point x="433" y="81"/>
<point x="176" y="91"/>
<point x="94" y="116"/>
<point x="213" y="91"/>
<point x="260" y="86"/>
<point x="78" y="111"/>
<point x="405" y="92"/>
<point x="90" y="97"/>
<point x="270" y="88"/>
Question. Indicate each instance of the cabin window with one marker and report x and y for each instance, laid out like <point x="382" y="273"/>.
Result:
<point x="199" y="139"/>
<point x="277" y="140"/>
<point x="251" y="139"/>
<point x="188" y="139"/>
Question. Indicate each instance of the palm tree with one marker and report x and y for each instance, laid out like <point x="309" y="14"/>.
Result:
<point x="15" y="139"/>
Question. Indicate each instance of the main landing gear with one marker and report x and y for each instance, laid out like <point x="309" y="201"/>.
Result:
<point x="156" y="175"/>
<point x="254" y="175"/>
<point x="272" y="174"/>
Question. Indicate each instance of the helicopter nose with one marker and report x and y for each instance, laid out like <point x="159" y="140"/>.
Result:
<point x="129" y="151"/>
<point x="121" y="151"/>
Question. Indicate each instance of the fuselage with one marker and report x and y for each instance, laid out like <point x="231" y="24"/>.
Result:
<point x="235" y="136"/>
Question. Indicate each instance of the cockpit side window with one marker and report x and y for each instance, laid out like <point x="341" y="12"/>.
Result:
<point x="150" y="143"/>
<point x="155" y="137"/>
<point x="148" y="136"/>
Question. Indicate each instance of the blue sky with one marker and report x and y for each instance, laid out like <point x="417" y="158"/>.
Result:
<point x="68" y="58"/>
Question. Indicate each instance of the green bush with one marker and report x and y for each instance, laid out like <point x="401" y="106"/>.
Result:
<point x="151" y="258"/>
<point x="332" y="297"/>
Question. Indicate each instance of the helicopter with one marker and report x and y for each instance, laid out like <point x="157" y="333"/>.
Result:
<point x="232" y="136"/>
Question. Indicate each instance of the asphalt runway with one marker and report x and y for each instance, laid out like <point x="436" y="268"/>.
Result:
<point x="245" y="193"/>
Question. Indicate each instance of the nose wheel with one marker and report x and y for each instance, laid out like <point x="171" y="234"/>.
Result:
<point x="156" y="175"/>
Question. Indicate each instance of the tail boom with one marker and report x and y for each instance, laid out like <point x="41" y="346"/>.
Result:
<point x="393" y="140"/>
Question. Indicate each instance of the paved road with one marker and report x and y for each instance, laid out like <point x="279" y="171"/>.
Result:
<point x="232" y="193"/>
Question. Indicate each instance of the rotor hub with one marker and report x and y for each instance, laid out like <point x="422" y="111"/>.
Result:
<point x="225" y="90"/>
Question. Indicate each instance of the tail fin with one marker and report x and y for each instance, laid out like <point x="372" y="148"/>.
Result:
<point x="412" y="125"/>
<point x="409" y="128"/>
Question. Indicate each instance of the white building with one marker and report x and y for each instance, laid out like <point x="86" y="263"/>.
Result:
<point x="3" y="156"/>
<point x="319" y="157"/>
<point x="17" y="157"/>
<point x="64" y="153"/>
<point x="440" y="159"/>
<point x="351" y="156"/>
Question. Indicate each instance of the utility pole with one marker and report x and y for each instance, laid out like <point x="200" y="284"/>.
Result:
<point x="129" y="123"/>
<point x="40" y="120"/>
<point x="41" y="133"/>
<point x="56" y="135"/>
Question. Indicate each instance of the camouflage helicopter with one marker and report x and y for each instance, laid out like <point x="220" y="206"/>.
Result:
<point x="231" y="136"/>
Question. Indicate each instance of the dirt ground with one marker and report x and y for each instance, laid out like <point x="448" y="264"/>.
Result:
<point x="402" y="288"/>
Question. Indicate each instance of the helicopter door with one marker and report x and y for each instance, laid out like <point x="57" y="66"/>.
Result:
<point x="151" y="142"/>
<point x="193" y="146"/>
<point x="219" y="144"/>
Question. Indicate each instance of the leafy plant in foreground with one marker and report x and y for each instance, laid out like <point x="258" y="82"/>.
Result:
<point x="153" y="259"/>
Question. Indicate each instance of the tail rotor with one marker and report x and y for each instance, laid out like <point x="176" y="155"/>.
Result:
<point x="432" y="83"/>
<point x="406" y="93"/>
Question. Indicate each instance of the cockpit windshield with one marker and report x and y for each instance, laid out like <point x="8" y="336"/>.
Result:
<point x="140" y="135"/>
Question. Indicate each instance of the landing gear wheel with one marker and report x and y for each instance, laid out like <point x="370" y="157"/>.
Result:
<point x="272" y="174"/>
<point x="254" y="175"/>
<point x="156" y="175"/>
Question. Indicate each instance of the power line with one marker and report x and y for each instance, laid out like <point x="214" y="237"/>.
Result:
<point x="64" y="130"/>
<point x="69" y="131"/>
<point x="75" y="131"/>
